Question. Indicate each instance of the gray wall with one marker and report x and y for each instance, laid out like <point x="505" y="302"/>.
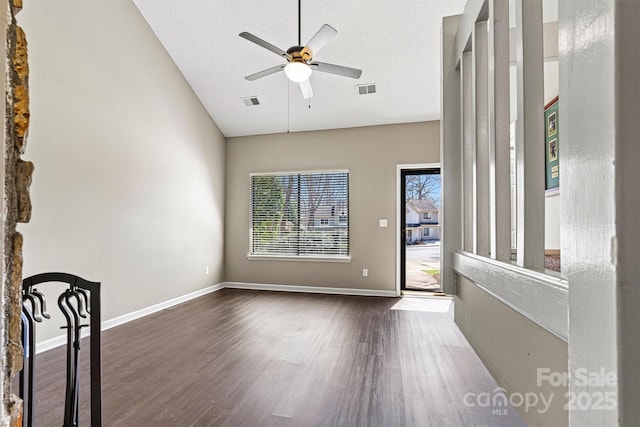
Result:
<point x="371" y="155"/>
<point x="129" y="182"/>
<point x="513" y="348"/>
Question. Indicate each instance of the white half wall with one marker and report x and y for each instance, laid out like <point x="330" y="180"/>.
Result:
<point x="128" y="188"/>
<point x="516" y="351"/>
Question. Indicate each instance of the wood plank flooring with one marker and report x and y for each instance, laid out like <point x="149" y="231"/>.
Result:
<point x="257" y="358"/>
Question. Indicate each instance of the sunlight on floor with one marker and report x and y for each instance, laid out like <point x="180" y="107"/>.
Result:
<point x="432" y="305"/>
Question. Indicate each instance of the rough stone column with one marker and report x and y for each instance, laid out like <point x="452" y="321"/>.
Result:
<point x="17" y="208"/>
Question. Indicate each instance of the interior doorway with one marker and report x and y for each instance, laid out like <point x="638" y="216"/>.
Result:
<point x="420" y="231"/>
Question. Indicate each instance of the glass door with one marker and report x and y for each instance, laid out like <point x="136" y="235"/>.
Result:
<point x="420" y="230"/>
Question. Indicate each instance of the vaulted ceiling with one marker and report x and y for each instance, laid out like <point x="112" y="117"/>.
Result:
<point x="395" y="42"/>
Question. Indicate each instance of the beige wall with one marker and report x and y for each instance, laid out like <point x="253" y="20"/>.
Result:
<point x="371" y="155"/>
<point x="513" y="348"/>
<point x="129" y="182"/>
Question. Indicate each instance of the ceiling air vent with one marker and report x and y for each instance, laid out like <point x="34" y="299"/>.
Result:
<point x="250" y="101"/>
<point x="367" y="89"/>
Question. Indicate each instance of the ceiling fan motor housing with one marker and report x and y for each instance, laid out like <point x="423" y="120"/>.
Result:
<point x="299" y="54"/>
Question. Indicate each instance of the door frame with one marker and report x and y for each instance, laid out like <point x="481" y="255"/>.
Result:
<point x="399" y="207"/>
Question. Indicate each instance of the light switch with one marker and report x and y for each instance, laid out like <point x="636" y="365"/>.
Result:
<point x="383" y="223"/>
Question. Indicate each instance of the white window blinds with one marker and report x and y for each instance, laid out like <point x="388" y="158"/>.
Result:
<point x="300" y="214"/>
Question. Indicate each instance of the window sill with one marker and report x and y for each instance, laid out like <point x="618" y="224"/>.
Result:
<point x="307" y="258"/>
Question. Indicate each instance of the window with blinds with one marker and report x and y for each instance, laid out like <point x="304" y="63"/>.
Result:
<point x="300" y="214"/>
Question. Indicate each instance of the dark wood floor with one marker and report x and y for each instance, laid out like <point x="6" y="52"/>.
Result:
<point x="255" y="358"/>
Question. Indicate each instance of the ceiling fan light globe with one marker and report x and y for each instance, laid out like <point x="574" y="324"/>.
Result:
<point x="297" y="72"/>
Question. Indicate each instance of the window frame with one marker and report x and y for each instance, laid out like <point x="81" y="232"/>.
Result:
<point x="303" y="257"/>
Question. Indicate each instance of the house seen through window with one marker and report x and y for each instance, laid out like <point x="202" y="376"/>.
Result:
<point x="300" y="214"/>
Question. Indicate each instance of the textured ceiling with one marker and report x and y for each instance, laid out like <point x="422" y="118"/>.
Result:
<point x="395" y="43"/>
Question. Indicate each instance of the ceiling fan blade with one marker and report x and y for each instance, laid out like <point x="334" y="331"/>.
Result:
<point x="321" y="38"/>
<point x="264" y="44"/>
<point x="265" y="73"/>
<point x="307" y="91"/>
<point x="339" y="70"/>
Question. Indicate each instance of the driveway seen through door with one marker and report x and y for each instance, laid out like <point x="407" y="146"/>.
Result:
<point x="422" y="271"/>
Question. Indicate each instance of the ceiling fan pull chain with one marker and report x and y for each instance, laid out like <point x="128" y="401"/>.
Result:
<point x="288" y="106"/>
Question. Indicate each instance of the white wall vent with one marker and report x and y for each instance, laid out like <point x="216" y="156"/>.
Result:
<point x="367" y="89"/>
<point x="251" y="101"/>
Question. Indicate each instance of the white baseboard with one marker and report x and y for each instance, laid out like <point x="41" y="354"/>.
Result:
<point x="54" y="342"/>
<point x="116" y="321"/>
<point x="310" y="289"/>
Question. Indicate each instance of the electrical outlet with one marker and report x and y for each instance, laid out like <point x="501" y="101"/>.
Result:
<point x="365" y="272"/>
<point x="383" y="223"/>
<point x="206" y="271"/>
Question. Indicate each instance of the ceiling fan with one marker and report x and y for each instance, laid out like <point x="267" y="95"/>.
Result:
<point x="300" y="63"/>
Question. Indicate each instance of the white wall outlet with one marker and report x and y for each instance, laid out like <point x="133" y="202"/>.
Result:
<point x="206" y="271"/>
<point x="365" y="272"/>
<point x="383" y="223"/>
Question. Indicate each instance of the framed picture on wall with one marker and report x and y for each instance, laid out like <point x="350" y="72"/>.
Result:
<point x="553" y="150"/>
<point x="552" y="146"/>
<point x="552" y="128"/>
